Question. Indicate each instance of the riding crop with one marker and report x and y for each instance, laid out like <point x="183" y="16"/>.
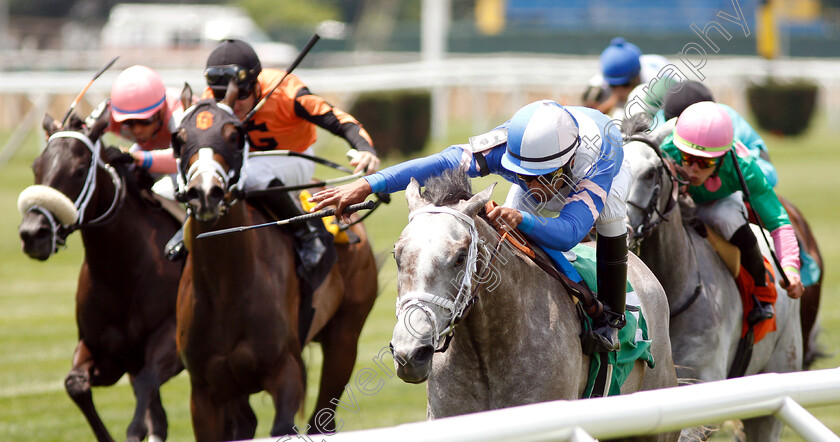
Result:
<point x="757" y="218"/>
<point x="314" y="39"/>
<point x="367" y="205"/>
<point x="82" y="93"/>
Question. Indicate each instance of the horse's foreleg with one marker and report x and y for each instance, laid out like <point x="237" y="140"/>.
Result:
<point x="161" y="363"/>
<point x="242" y="422"/>
<point x="339" y="343"/>
<point x="156" y="420"/>
<point x="208" y="417"/>
<point x="287" y="389"/>
<point x="78" y="383"/>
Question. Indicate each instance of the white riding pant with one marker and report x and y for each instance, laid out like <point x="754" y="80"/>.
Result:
<point x="610" y="222"/>
<point x="292" y="171"/>
<point x="725" y="215"/>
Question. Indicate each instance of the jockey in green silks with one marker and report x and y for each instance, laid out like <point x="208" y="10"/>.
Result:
<point x="702" y="137"/>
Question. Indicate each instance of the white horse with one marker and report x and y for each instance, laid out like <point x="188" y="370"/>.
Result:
<point x="520" y="342"/>
<point x="706" y="311"/>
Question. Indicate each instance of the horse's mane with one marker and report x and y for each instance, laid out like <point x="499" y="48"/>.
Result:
<point x="448" y="188"/>
<point x="635" y="124"/>
<point x="136" y="179"/>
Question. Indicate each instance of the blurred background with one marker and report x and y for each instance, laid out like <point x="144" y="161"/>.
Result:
<point x="420" y="75"/>
<point x="477" y="60"/>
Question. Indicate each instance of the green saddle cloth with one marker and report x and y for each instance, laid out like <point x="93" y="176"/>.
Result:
<point x="635" y="343"/>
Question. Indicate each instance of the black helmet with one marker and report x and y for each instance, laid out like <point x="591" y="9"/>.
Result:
<point x="232" y="59"/>
<point x="683" y="95"/>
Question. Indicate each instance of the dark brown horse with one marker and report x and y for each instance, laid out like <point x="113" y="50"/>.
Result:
<point x="125" y="299"/>
<point x="239" y="296"/>
<point x="810" y="301"/>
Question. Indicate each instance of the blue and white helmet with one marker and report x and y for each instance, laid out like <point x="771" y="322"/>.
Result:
<point x="542" y="137"/>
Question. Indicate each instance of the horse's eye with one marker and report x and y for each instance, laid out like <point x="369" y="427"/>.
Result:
<point x="459" y="261"/>
<point x="79" y="174"/>
<point x="648" y="175"/>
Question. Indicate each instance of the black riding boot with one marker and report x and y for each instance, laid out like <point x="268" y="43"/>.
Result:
<point x="611" y="266"/>
<point x="313" y="243"/>
<point x="753" y="262"/>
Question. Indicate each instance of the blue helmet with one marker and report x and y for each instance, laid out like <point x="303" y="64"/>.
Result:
<point x="620" y="62"/>
<point x="542" y="137"/>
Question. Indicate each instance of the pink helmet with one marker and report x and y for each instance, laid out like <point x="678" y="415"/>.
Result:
<point x="704" y="129"/>
<point x="137" y="93"/>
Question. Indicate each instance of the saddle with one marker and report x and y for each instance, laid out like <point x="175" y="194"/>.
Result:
<point x="731" y="256"/>
<point x="330" y="222"/>
<point x="580" y="292"/>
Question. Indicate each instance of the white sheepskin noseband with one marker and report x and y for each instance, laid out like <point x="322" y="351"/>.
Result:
<point x="49" y="199"/>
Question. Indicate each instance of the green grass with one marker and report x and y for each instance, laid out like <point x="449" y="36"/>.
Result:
<point x="38" y="335"/>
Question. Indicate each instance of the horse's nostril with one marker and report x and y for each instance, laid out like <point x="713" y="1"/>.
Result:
<point x="423" y="354"/>
<point x="215" y="194"/>
<point x="29" y="234"/>
<point x="192" y="194"/>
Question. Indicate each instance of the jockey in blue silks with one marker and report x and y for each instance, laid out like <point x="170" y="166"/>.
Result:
<point x="563" y="160"/>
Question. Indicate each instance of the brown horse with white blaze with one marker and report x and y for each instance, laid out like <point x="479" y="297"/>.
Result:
<point x="125" y="299"/>
<point x="239" y="297"/>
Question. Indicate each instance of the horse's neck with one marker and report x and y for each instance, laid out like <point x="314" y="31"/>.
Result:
<point x="517" y="303"/>
<point x="124" y="234"/>
<point x="677" y="272"/>
<point x="244" y="258"/>
<point x="236" y="247"/>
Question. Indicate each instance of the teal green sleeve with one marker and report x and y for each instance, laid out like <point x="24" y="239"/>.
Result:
<point x="762" y="196"/>
<point x="670" y="149"/>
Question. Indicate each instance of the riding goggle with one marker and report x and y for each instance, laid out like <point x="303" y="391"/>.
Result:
<point x="547" y="178"/>
<point x="218" y="78"/>
<point x="141" y="122"/>
<point x="701" y="162"/>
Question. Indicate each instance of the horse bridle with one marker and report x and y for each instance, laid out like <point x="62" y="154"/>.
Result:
<point x="647" y="226"/>
<point x="649" y="223"/>
<point x="206" y="163"/>
<point x="59" y="232"/>
<point x="465" y="297"/>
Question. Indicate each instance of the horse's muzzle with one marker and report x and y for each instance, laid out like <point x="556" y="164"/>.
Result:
<point x="35" y="236"/>
<point x="205" y="197"/>
<point x="413" y="364"/>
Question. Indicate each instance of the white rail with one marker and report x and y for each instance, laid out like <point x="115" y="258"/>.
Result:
<point x="643" y="413"/>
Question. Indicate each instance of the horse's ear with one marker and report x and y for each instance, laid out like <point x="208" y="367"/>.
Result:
<point x="50" y="125"/>
<point x="74" y="122"/>
<point x="100" y="123"/>
<point x="231" y="94"/>
<point x="412" y="195"/>
<point x="186" y="96"/>
<point x="477" y="202"/>
<point x="179" y="137"/>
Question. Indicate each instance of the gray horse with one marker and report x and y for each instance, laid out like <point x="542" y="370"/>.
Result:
<point x="706" y="311"/>
<point x="519" y="343"/>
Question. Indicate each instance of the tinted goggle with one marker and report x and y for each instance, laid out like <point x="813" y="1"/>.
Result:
<point x="144" y="122"/>
<point x="547" y="178"/>
<point x="218" y="78"/>
<point x="701" y="162"/>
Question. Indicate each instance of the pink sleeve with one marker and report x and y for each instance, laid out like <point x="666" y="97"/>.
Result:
<point x="163" y="161"/>
<point x="786" y="246"/>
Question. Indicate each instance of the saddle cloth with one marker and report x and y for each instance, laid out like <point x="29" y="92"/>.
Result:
<point x="768" y="294"/>
<point x="731" y="256"/>
<point x="635" y="343"/>
<point x="634" y="339"/>
<point x="330" y="222"/>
